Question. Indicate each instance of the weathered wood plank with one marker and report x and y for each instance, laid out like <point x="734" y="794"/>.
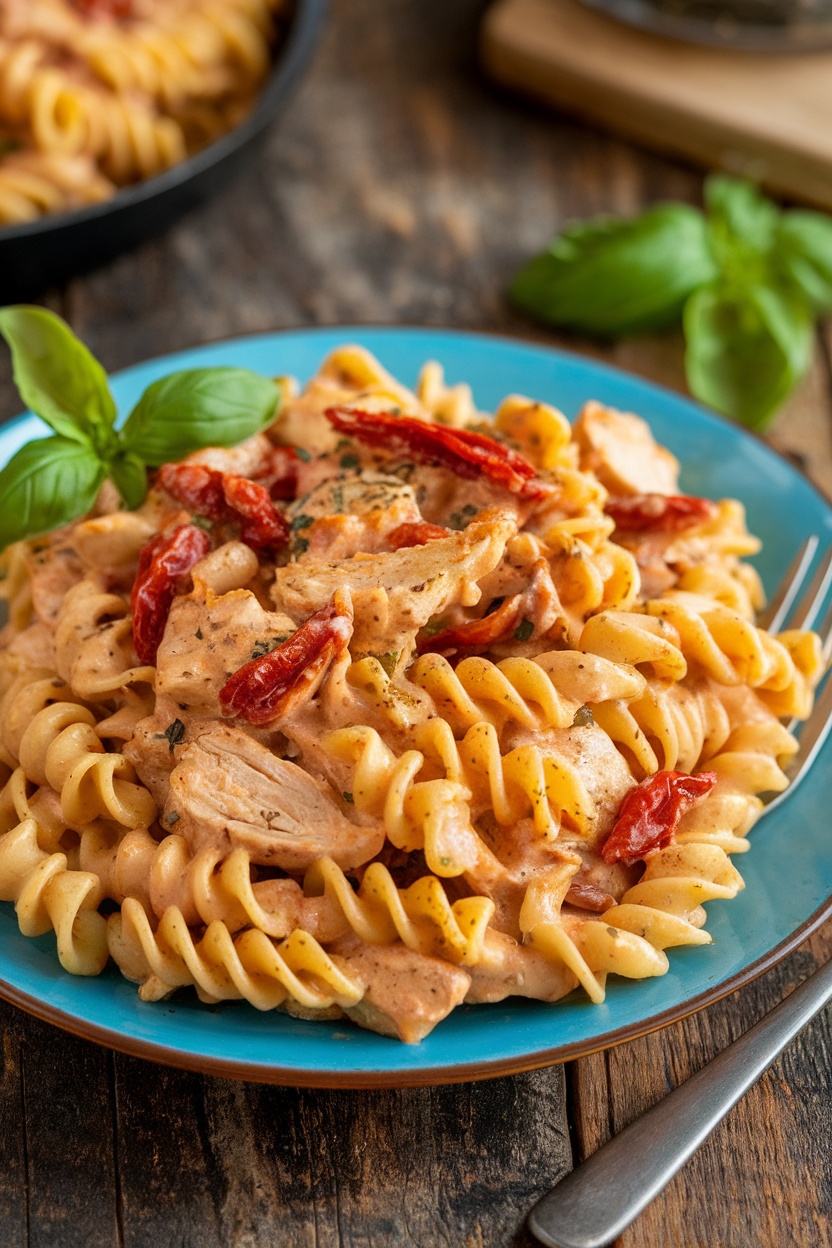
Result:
<point x="238" y="1164"/>
<point x="771" y="1152"/>
<point x="58" y="1139"/>
<point x="13" y="1144"/>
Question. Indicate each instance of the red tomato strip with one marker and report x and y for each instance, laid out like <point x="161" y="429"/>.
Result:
<point x="415" y="533"/>
<point x="666" y="513"/>
<point x="104" y="8"/>
<point x="477" y="635"/>
<point x="163" y="562"/>
<point x="267" y="688"/>
<point x="465" y="453"/>
<point x="279" y="474"/>
<point x="226" y="497"/>
<point x="650" y="813"/>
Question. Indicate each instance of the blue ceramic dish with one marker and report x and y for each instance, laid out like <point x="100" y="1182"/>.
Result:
<point x="788" y="872"/>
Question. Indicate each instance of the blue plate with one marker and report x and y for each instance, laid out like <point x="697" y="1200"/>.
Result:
<point x="788" y="872"/>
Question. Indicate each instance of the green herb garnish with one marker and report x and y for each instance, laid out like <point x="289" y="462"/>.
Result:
<point x="583" y="717"/>
<point x="56" y="479"/>
<point x="174" y="734"/>
<point x="388" y="661"/>
<point x="524" y="630"/>
<point x="348" y="797"/>
<point x="462" y="518"/>
<point x="261" y="648"/>
<point x="744" y="279"/>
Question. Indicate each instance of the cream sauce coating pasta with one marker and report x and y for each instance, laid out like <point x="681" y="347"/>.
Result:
<point x="471" y="674"/>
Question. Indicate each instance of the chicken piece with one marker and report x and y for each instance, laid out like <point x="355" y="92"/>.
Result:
<point x="600" y="777"/>
<point x="509" y="969"/>
<point x="35" y="645"/>
<point x="207" y="638"/>
<point x="248" y="459"/>
<point x="346" y="515"/>
<point x="395" y="594"/>
<point x="156" y="742"/>
<point x="622" y="452"/>
<point x="509" y="859"/>
<point x="54" y="567"/>
<point x="228" y="790"/>
<point x="407" y="994"/>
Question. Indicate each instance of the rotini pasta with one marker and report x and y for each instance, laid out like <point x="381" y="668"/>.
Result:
<point x="388" y="763"/>
<point x="94" y="97"/>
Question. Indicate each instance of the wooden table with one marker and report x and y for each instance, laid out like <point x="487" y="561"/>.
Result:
<point x="399" y="187"/>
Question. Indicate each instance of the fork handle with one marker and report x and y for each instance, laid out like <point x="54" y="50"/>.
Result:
<point x="599" y="1199"/>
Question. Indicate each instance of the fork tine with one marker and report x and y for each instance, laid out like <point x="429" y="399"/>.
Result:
<point x="824" y="631"/>
<point x="775" y="613"/>
<point x="815" y="596"/>
<point x="815" y="730"/>
<point x="812" y="737"/>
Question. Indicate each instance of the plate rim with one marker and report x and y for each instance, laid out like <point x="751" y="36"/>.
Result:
<point x="416" y="1077"/>
<point x="434" y="1075"/>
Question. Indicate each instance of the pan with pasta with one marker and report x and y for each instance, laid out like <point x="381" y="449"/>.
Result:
<point x="99" y="94"/>
<point x="390" y="708"/>
<point x="118" y="115"/>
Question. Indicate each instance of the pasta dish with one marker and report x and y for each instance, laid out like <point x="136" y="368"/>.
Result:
<point x="98" y="94"/>
<point x="389" y="708"/>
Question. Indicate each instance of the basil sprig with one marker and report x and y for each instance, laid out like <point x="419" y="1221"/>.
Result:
<point x="54" y="480"/>
<point x="745" y="280"/>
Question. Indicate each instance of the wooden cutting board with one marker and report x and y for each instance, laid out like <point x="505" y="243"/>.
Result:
<point x="763" y="115"/>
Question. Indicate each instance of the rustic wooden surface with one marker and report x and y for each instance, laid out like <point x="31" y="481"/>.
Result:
<point x="399" y="187"/>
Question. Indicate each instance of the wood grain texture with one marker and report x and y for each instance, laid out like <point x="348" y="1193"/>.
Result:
<point x="770" y="1153"/>
<point x="399" y="187"/>
<point x="98" y="1149"/>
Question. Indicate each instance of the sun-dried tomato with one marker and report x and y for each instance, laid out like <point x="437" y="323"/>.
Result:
<point x="650" y="813"/>
<point x="279" y="472"/>
<point x="163" y="565"/>
<point x="415" y="533"/>
<point x="476" y="636"/>
<point x="465" y="453"/>
<point x="223" y="496"/>
<point x="666" y="513"/>
<point x="268" y="687"/>
<point x="104" y="8"/>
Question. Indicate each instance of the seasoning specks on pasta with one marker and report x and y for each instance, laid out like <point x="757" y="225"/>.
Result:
<point x="416" y="730"/>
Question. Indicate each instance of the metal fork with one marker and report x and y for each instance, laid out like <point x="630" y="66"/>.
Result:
<point x="598" y="1200"/>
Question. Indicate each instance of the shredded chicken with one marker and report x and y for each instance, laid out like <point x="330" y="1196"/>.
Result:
<point x="622" y="452"/>
<point x="407" y="993"/>
<point x="228" y="789"/>
<point x="395" y="594"/>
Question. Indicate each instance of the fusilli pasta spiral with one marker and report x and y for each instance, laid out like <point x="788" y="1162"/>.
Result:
<point x="462" y="734"/>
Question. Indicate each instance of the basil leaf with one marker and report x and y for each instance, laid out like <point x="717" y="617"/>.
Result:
<point x="804" y="245"/>
<point x="609" y="277"/>
<point x="739" y="216"/>
<point x="45" y="485"/>
<point x="58" y="378"/>
<point x="129" y="476"/>
<point x="746" y="348"/>
<point x="196" y="408"/>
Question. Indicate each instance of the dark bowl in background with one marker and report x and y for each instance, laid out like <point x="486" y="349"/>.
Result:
<point x="52" y="249"/>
